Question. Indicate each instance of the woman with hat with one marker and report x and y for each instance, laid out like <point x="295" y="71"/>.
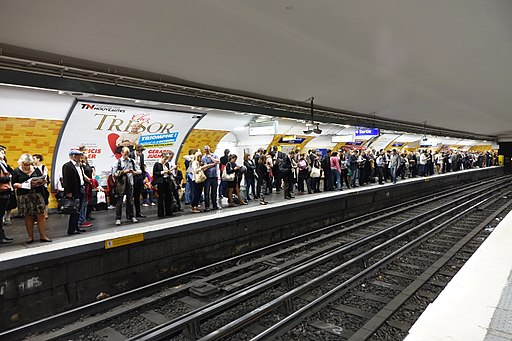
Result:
<point x="5" y="193"/>
<point x="28" y="182"/>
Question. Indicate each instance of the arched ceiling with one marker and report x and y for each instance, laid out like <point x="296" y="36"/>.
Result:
<point x="447" y="62"/>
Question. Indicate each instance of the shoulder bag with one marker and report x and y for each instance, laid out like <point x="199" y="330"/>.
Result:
<point x="226" y="176"/>
<point x="315" y="172"/>
<point x="199" y="177"/>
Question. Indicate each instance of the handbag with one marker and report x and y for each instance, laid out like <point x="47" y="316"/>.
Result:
<point x="315" y="172"/>
<point x="199" y="177"/>
<point x="227" y="177"/>
<point x="101" y="198"/>
<point x="69" y="206"/>
<point x="5" y="187"/>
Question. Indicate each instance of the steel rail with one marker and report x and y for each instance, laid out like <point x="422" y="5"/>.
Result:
<point x="113" y="301"/>
<point x="295" y="318"/>
<point x="250" y="317"/>
<point x="191" y="320"/>
<point x="373" y="324"/>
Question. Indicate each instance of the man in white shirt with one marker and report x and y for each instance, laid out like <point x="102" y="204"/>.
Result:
<point x="74" y="187"/>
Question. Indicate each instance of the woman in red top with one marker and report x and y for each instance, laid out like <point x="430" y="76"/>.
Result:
<point x="335" y="170"/>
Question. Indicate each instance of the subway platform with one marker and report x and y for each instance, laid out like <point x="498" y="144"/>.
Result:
<point x="104" y="221"/>
<point x="477" y="303"/>
<point x="43" y="278"/>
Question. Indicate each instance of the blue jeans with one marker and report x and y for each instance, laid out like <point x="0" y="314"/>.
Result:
<point x="148" y="192"/>
<point x="393" y="174"/>
<point x="189" y="189"/>
<point x="250" y="183"/>
<point x="210" y="192"/>
<point x="335" y="175"/>
<point x="354" y="177"/>
<point x="83" y="207"/>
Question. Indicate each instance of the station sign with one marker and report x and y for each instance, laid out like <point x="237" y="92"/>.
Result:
<point x="342" y="138"/>
<point x="354" y="144"/>
<point x="366" y="132"/>
<point x="263" y="128"/>
<point x="291" y="140"/>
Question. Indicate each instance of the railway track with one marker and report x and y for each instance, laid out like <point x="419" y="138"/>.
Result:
<point x="199" y="308"/>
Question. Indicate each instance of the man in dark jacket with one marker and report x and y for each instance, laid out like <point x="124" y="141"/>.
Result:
<point x="277" y="170"/>
<point x="325" y="163"/>
<point x="74" y="187"/>
<point x="287" y="174"/>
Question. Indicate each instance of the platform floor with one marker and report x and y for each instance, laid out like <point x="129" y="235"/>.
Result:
<point x="477" y="303"/>
<point x="104" y="224"/>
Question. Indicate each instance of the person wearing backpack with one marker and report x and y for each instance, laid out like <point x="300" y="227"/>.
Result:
<point x="123" y="170"/>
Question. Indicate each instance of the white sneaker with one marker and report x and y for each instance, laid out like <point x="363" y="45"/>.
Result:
<point x="145" y="205"/>
<point x="153" y="204"/>
<point x="134" y="220"/>
<point x="118" y="222"/>
<point x="111" y="207"/>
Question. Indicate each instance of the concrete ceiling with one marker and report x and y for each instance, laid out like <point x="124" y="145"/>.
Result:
<point x="447" y="62"/>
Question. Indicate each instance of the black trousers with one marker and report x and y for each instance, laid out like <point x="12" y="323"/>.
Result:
<point x="138" y="184"/>
<point x="73" y="218"/>
<point x="164" y="200"/>
<point x="176" y="196"/>
<point x="380" y="172"/>
<point x="328" y="185"/>
<point x="4" y="201"/>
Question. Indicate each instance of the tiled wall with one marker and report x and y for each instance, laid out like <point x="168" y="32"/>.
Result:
<point x="33" y="136"/>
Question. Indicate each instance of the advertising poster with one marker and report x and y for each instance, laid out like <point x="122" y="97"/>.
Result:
<point x="104" y="128"/>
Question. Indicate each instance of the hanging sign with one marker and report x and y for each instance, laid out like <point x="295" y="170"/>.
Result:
<point x="366" y="132"/>
<point x="291" y="140"/>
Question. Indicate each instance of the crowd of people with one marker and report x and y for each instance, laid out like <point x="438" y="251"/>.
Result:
<point x="208" y="179"/>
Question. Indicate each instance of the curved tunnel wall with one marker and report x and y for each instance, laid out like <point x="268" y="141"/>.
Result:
<point x="31" y="120"/>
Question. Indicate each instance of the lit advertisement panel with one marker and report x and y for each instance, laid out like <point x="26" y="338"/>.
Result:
<point x="103" y="129"/>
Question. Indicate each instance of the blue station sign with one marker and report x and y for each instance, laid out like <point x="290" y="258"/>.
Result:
<point x="366" y="132"/>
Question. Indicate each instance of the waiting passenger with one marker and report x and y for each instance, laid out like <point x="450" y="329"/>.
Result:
<point x="287" y="174"/>
<point x="335" y="171"/>
<point x="38" y="158"/>
<point x="263" y="171"/>
<point x="6" y="190"/>
<point x="176" y="178"/>
<point x="304" y="170"/>
<point x="73" y="184"/>
<point x="233" y="170"/>
<point x="28" y="182"/>
<point x="198" y="169"/>
<point x="394" y="164"/>
<point x="250" y="177"/>
<point x="212" y="178"/>
<point x="162" y="181"/>
<point x="316" y="171"/>
<point x="123" y="170"/>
